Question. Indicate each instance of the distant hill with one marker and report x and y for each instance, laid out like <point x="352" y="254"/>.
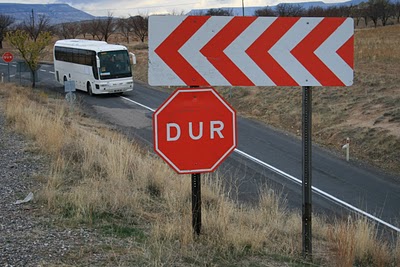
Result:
<point x="57" y="13"/>
<point x="249" y="10"/>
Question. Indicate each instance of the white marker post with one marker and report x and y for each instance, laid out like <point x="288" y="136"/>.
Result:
<point x="347" y="147"/>
<point x="69" y="88"/>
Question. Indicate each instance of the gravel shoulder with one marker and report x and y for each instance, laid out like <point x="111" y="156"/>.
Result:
<point x="30" y="236"/>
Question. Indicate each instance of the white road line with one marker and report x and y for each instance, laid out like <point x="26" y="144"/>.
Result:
<point x="297" y="181"/>
<point x="137" y="103"/>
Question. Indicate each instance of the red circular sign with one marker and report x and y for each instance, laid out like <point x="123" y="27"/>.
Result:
<point x="8" y="57"/>
<point x="194" y="130"/>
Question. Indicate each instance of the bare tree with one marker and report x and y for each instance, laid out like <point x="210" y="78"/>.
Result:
<point x="69" y="30"/>
<point x="356" y="13"/>
<point x="264" y="12"/>
<point x="379" y="10"/>
<point x="315" y="11"/>
<point x="219" y="12"/>
<point x="106" y="27"/>
<point x="289" y="10"/>
<point x="140" y="26"/>
<point x="93" y="28"/>
<point x="198" y="13"/>
<point x="363" y="7"/>
<point x="333" y="11"/>
<point x="124" y="28"/>
<point x="396" y="8"/>
<point x="386" y="10"/>
<point x="85" y="28"/>
<point x="5" y="22"/>
<point x="345" y="11"/>
<point x="373" y="13"/>
<point x="35" y="25"/>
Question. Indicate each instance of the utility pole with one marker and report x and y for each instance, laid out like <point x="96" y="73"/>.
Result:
<point x="33" y="20"/>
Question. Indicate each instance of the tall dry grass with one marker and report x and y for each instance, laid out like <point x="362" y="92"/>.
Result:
<point x="378" y="44"/>
<point x="98" y="175"/>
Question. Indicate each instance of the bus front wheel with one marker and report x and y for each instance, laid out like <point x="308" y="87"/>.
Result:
<point x="89" y="89"/>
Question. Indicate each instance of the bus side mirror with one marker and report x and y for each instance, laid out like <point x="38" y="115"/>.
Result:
<point x="133" y="58"/>
<point x="98" y="62"/>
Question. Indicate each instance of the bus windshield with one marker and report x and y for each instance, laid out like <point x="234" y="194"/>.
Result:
<point x="114" y="64"/>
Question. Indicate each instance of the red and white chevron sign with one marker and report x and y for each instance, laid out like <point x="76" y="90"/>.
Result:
<point x="250" y="51"/>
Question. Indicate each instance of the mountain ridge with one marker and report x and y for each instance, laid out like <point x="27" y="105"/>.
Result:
<point x="62" y="13"/>
<point x="57" y="13"/>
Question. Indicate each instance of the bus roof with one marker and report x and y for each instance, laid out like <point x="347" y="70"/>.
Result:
<point x="93" y="45"/>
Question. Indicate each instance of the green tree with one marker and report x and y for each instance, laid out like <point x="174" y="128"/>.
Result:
<point x="29" y="49"/>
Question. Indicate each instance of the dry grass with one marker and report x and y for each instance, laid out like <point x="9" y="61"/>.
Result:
<point x="357" y="242"/>
<point x="99" y="177"/>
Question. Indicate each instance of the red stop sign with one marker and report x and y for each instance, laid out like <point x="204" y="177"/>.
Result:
<point x="194" y="130"/>
<point x="8" y="57"/>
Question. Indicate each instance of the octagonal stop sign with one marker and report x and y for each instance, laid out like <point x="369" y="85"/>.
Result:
<point x="8" y="57"/>
<point x="194" y="130"/>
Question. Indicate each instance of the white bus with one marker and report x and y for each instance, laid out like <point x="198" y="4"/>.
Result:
<point x="96" y="66"/>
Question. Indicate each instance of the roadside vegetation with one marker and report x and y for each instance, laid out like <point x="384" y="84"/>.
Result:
<point x="100" y="178"/>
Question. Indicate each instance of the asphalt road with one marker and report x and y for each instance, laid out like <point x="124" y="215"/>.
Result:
<point x="263" y="156"/>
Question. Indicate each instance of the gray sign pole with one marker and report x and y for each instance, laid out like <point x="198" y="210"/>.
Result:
<point x="196" y="199"/>
<point x="307" y="169"/>
<point x="8" y="71"/>
<point x="196" y="203"/>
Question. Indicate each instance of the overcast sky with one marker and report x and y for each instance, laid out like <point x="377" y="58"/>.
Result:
<point x="124" y="8"/>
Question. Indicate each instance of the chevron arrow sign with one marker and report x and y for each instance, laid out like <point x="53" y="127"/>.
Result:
<point x="250" y="51"/>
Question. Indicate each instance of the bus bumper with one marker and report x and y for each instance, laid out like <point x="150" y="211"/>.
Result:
<point x="114" y="87"/>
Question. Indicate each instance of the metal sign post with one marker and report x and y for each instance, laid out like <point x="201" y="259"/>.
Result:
<point x="8" y="71"/>
<point x="196" y="203"/>
<point x="307" y="169"/>
<point x="69" y="88"/>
